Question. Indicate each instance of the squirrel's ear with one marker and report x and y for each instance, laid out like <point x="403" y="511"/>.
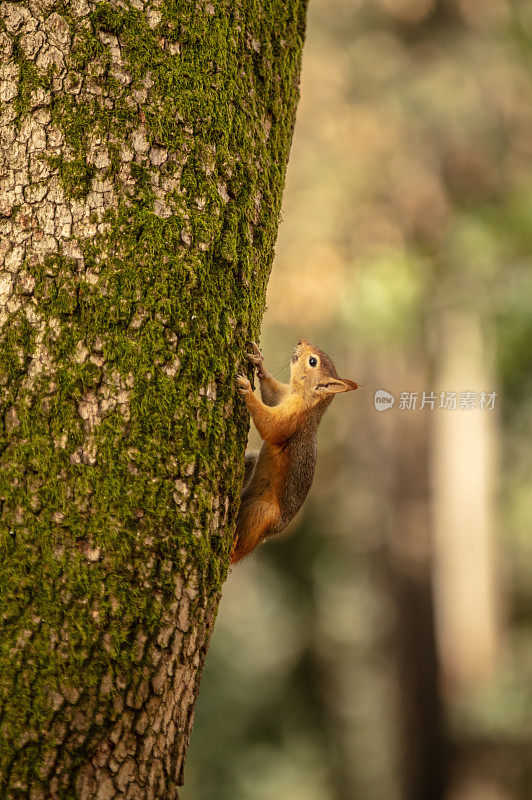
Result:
<point x="351" y="385"/>
<point x="335" y="385"/>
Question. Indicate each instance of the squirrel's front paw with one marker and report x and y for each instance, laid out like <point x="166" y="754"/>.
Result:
<point x="244" y="386"/>
<point x="257" y="359"/>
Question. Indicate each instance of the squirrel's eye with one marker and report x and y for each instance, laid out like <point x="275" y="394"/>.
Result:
<point x="313" y="361"/>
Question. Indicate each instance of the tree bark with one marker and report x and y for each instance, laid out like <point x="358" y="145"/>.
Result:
<point x="143" y="152"/>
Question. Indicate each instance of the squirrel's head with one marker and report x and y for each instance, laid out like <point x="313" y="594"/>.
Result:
<point x="314" y="375"/>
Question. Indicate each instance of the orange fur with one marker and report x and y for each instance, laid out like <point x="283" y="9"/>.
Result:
<point x="254" y="521"/>
<point x="272" y="391"/>
<point x="275" y="424"/>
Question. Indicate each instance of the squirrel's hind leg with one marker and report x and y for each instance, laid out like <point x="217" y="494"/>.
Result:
<point x="249" y="468"/>
<point x="255" y="520"/>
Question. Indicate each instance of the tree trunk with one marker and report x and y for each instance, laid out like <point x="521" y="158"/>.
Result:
<point x="143" y="151"/>
<point x="424" y="744"/>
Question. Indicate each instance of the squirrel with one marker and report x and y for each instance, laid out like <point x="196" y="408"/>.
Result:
<point x="277" y="479"/>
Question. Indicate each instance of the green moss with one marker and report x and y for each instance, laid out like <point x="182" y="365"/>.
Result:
<point x="29" y="79"/>
<point x="76" y="175"/>
<point x="107" y="18"/>
<point x="207" y="104"/>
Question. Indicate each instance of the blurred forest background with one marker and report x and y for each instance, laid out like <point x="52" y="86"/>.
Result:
<point x="383" y="649"/>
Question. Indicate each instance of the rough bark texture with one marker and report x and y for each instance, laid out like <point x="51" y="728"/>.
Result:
<point x="143" y="150"/>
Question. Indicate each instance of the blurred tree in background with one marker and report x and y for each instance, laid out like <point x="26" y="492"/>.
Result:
<point x="383" y="650"/>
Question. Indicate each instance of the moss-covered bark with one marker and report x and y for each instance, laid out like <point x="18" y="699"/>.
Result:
<point x="143" y="151"/>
